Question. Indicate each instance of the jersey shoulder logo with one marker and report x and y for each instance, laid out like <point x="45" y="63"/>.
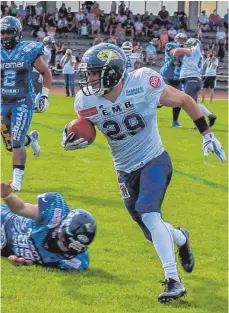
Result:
<point x="29" y="47"/>
<point x="155" y="81"/>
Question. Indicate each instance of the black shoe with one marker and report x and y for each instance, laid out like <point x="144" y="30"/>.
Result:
<point x="67" y="95"/>
<point x="173" y="291"/>
<point x="185" y="253"/>
<point x="212" y="118"/>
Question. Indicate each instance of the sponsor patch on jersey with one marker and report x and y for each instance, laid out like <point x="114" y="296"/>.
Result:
<point x="155" y="81"/>
<point x="88" y="112"/>
<point x="29" y="47"/>
<point x="134" y="91"/>
<point x="56" y="217"/>
<point x="124" y="191"/>
<point x="104" y="54"/>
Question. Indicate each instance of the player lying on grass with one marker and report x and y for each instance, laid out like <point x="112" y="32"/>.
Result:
<point x="124" y="108"/>
<point x="48" y="233"/>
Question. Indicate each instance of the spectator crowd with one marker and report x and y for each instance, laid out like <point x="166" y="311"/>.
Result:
<point x="116" y="27"/>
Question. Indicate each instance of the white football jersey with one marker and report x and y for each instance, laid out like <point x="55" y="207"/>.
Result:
<point x="192" y="65"/>
<point x="130" y="123"/>
<point x="47" y="57"/>
<point x="131" y="59"/>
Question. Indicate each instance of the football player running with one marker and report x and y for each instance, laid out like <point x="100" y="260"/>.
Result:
<point x="190" y="73"/>
<point x="17" y="97"/>
<point x="124" y="108"/>
<point x="171" y="70"/>
<point x="133" y="60"/>
<point x="48" y="233"/>
<point x="48" y="43"/>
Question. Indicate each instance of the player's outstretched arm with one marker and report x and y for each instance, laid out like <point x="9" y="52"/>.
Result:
<point x="172" y="97"/>
<point x="16" y="204"/>
<point x="40" y="65"/>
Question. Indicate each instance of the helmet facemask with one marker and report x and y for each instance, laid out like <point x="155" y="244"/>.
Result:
<point x="10" y="41"/>
<point x="108" y="78"/>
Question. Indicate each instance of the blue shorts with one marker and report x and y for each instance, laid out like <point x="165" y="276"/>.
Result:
<point x="143" y="190"/>
<point x="15" y="122"/>
<point x="192" y="87"/>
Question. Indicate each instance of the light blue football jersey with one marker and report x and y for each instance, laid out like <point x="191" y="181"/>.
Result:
<point x="192" y="65"/>
<point x="16" y="70"/>
<point x="172" y="66"/>
<point x="47" y="57"/>
<point x="27" y="238"/>
<point x="130" y="123"/>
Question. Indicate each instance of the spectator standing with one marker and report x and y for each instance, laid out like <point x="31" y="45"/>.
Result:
<point x="120" y="34"/>
<point x="112" y="22"/>
<point x="102" y="19"/>
<point x="113" y="7"/>
<point x="96" y="10"/>
<point x="39" y="10"/>
<point x="90" y="16"/>
<point x="67" y="63"/>
<point x="163" y="16"/>
<point x="210" y="76"/>
<point x="62" y="11"/>
<point x="204" y="21"/>
<point x="21" y="14"/>
<point x="78" y="17"/>
<point x="214" y="20"/>
<point x="56" y="16"/>
<point x="198" y="31"/>
<point x="13" y="9"/>
<point x="174" y="21"/>
<point x="164" y="38"/>
<point x="121" y="18"/>
<point x="121" y="7"/>
<point x="225" y="19"/>
<point x="51" y="21"/>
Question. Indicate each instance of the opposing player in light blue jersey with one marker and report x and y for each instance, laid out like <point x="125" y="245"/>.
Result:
<point x="133" y="60"/>
<point x="48" y="43"/>
<point x="17" y="96"/>
<point x="48" y="233"/>
<point x="124" y="108"/>
<point x="171" y="70"/>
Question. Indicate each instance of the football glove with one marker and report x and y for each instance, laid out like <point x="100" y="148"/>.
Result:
<point x="210" y="143"/>
<point x="69" y="143"/>
<point x="42" y="104"/>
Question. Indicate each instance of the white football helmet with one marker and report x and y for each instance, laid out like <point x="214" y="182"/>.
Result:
<point x="127" y="47"/>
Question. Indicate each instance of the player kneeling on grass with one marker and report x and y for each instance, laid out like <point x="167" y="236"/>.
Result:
<point x="124" y="108"/>
<point x="48" y="233"/>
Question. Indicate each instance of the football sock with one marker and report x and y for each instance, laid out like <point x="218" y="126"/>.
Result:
<point x="163" y="243"/>
<point x="176" y="113"/>
<point x="204" y="110"/>
<point x="178" y="237"/>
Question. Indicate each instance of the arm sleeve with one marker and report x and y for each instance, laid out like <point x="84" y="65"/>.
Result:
<point x="78" y="263"/>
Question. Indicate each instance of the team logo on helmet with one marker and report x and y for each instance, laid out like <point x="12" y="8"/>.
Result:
<point x="106" y="54"/>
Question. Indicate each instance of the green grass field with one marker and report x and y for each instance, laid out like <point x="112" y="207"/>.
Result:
<point x="125" y="271"/>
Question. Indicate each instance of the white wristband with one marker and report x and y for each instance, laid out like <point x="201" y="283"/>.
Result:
<point x="45" y="92"/>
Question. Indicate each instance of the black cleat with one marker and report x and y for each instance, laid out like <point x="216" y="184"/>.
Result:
<point x="185" y="253"/>
<point x="212" y="118"/>
<point x="173" y="291"/>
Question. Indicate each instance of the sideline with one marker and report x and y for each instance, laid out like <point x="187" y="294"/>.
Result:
<point x="100" y="146"/>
